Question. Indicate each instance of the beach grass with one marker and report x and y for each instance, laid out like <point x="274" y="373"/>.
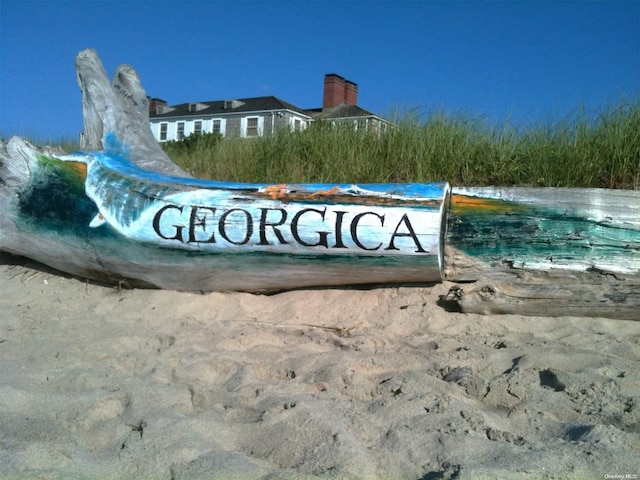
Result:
<point x="597" y="150"/>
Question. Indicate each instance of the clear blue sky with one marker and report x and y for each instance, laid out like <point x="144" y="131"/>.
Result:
<point x="526" y="61"/>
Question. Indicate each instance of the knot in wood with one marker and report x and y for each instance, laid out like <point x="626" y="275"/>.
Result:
<point x="487" y="292"/>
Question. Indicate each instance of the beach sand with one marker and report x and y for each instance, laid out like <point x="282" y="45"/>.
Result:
<point x="380" y="383"/>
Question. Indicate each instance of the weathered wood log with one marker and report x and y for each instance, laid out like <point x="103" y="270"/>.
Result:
<point x="611" y="299"/>
<point x="545" y="251"/>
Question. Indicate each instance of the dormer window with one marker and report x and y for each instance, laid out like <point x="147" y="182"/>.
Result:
<point x="160" y="109"/>
<point x="197" y="106"/>
<point x="230" y="104"/>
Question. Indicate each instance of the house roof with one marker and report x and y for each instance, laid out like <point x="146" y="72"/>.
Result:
<point x="217" y="107"/>
<point x="341" y="111"/>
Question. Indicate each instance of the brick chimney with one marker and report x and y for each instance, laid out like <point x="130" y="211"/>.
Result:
<point x="339" y="91"/>
<point x="156" y="104"/>
<point x="334" y="91"/>
<point x="350" y="93"/>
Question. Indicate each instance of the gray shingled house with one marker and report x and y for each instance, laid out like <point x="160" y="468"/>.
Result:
<point x="261" y="116"/>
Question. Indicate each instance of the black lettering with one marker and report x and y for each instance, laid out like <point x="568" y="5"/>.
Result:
<point x="276" y="231"/>
<point x="222" y="226"/>
<point x="411" y="233"/>
<point x="322" y="242"/>
<point x="354" y="229"/>
<point x="197" y="221"/>
<point x="339" y="217"/>
<point x="156" y="224"/>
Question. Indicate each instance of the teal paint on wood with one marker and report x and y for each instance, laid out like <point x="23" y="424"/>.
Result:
<point x="547" y="229"/>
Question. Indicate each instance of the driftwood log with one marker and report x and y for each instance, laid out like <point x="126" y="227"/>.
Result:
<point x="545" y="251"/>
<point x="592" y="298"/>
<point x="121" y="212"/>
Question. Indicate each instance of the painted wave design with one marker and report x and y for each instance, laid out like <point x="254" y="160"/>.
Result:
<point x="195" y="214"/>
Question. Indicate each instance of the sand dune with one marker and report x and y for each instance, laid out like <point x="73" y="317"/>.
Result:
<point x="379" y="383"/>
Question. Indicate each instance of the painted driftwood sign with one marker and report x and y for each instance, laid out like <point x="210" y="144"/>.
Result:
<point x="121" y="211"/>
<point x="105" y="218"/>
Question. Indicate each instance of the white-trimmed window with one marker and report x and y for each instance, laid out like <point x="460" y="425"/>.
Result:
<point x="163" y="132"/>
<point x="180" y="132"/>
<point x="252" y="127"/>
<point x="197" y="127"/>
<point x="216" y="126"/>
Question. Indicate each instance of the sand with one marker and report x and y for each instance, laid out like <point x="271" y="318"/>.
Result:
<point x="379" y="383"/>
